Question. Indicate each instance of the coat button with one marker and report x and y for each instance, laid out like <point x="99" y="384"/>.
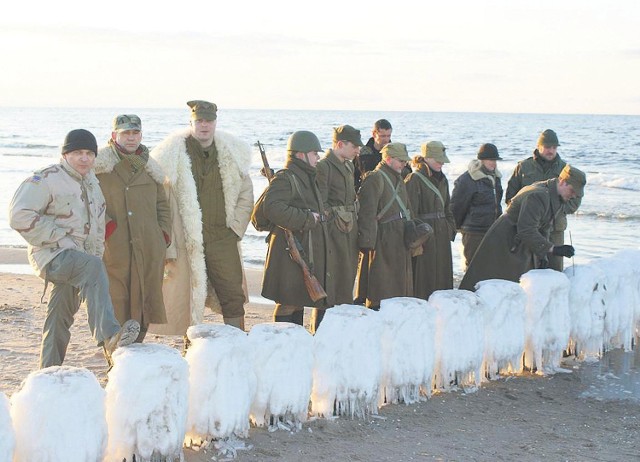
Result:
<point x="129" y="213"/>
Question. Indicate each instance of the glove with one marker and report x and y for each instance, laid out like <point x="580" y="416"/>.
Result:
<point x="563" y="251"/>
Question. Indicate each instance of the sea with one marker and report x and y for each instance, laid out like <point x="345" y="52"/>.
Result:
<point x="606" y="147"/>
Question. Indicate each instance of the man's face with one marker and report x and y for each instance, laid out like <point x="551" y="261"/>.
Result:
<point x="434" y="164"/>
<point x="129" y="140"/>
<point x="548" y="152"/>
<point x="311" y="157"/>
<point x="203" y="130"/>
<point x="381" y="138"/>
<point x="566" y="190"/>
<point x="347" y="150"/>
<point x="81" y="160"/>
<point x="396" y="164"/>
<point x="489" y="164"/>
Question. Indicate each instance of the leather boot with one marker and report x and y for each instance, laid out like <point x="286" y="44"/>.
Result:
<point x="316" y="318"/>
<point x="297" y="317"/>
<point x="282" y="318"/>
<point x="235" y="322"/>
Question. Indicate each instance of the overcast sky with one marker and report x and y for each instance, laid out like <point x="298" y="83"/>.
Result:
<point x="560" y="56"/>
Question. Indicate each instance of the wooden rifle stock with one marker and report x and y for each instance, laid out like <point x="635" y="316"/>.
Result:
<point x="314" y="288"/>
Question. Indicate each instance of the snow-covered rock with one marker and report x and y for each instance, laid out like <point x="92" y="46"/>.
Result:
<point x="7" y="435"/>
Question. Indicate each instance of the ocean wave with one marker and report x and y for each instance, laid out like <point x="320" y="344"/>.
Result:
<point x="605" y="180"/>
<point x="609" y="215"/>
<point x="25" y="154"/>
<point x="22" y="145"/>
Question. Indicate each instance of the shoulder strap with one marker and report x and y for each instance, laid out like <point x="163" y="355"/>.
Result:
<point x="431" y="186"/>
<point x="395" y="198"/>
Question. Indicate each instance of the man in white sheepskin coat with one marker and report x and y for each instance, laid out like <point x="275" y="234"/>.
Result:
<point x="211" y="197"/>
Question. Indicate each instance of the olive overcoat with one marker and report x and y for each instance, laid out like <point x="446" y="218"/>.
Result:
<point x="433" y="270"/>
<point x="134" y="253"/>
<point x="519" y="240"/>
<point x="389" y="264"/>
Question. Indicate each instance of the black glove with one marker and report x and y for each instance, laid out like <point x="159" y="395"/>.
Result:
<point x="563" y="251"/>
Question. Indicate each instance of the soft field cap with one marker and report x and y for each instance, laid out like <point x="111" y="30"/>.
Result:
<point x="575" y="178"/>
<point x="124" y="122"/>
<point x="396" y="151"/>
<point x="435" y="150"/>
<point x="203" y="110"/>
<point x="347" y="133"/>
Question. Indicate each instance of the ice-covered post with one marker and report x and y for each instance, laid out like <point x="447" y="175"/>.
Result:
<point x="347" y="363"/>
<point x="222" y="383"/>
<point x="147" y="400"/>
<point x="548" y="323"/>
<point x="7" y="435"/>
<point x="459" y="338"/>
<point x="59" y="415"/>
<point x="587" y="309"/>
<point x="408" y="349"/>
<point x="282" y="361"/>
<point x="503" y="305"/>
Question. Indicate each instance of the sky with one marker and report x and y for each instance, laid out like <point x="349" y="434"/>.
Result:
<point x="547" y="56"/>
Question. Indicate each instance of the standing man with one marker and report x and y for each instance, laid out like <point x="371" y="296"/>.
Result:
<point x="519" y="240"/>
<point x="384" y="209"/>
<point x="293" y="201"/>
<point x="60" y="211"/>
<point x="428" y="190"/>
<point x="211" y="196"/>
<point x="368" y="159"/>
<point x="369" y="156"/>
<point x="476" y="198"/>
<point x="138" y="224"/>
<point x="544" y="165"/>
<point x="335" y="182"/>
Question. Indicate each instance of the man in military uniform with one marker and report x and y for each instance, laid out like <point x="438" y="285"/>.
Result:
<point x="544" y="165"/>
<point x="211" y="195"/>
<point x="519" y="240"/>
<point x="60" y="212"/>
<point x="293" y="201"/>
<point x="138" y="227"/>
<point x="384" y="209"/>
<point x="335" y="182"/>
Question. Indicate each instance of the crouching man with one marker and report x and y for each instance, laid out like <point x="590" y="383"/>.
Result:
<point x="60" y="212"/>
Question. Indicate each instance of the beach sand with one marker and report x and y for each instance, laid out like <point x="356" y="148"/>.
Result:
<point x="525" y="418"/>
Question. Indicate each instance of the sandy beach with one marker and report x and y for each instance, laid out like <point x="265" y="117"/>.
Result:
<point x="526" y="418"/>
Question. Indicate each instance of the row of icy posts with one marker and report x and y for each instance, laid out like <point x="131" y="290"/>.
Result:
<point x="156" y="401"/>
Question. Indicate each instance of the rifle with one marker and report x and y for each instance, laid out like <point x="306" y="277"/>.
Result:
<point x="294" y="247"/>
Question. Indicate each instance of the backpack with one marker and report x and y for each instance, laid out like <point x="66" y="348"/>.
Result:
<point x="258" y="219"/>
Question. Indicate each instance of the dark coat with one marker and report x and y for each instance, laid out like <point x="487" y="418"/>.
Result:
<point x="389" y="268"/>
<point x="335" y="182"/>
<point x="292" y="209"/>
<point x="475" y="200"/>
<point x="534" y="169"/>
<point x="519" y="240"/>
<point x="433" y="270"/>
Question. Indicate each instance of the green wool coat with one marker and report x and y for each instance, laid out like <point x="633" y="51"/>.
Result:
<point x="291" y="208"/>
<point x="335" y="182"/>
<point x="519" y="240"/>
<point x="389" y="268"/>
<point x="433" y="270"/>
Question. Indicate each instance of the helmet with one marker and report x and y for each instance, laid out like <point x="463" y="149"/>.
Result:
<point x="303" y="141"/>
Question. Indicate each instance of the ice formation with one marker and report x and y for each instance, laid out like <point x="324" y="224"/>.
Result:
<point x="347" y="366"/>
<point x="548" y="322"/>
<point x="221" y="386"/>
<point x="282" y="361"/>
<point x="503" y="305"/>
<point x="408" y="349"/>
<point x="147" y="401"/>
<point x="59" y="416"/>
<point x="7" y="435"/>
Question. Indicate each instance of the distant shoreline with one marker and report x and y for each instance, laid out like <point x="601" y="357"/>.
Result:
<point x="13" y="255"/>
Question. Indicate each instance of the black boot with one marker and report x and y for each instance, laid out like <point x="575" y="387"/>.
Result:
<point x="297" y="317"/>
<point x="283" y="318"/>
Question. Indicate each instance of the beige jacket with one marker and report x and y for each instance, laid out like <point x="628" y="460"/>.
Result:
<point x="49" y="213"/>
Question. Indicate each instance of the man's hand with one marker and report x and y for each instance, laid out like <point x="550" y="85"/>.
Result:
<point x="563" y="251"/>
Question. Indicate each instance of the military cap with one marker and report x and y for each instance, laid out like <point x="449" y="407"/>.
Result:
<point x="396" y="151"/>
<point x="79" y="139"/>
<point x="347" y="133"/>
<point x="548" y="138"/>
<point x="203" y="110"/>
<point x="575" y="178"/>
<point x="125" y="122"/>
<point x="434" y="150"/>
<point x="488" y="151"/>
<point x="303" y="141"/>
